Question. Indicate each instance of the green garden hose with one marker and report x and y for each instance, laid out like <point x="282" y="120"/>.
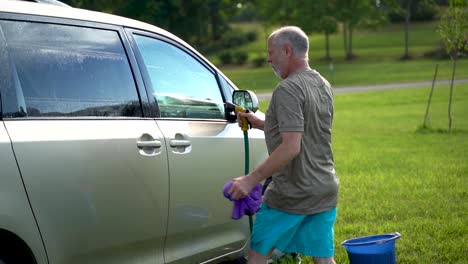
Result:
<point x="245" y="129"/>
<point x="246" y="167"/>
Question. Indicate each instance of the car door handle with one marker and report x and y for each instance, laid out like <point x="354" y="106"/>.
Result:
<point x="149" y="144"/>
<point x="179" y="143"/>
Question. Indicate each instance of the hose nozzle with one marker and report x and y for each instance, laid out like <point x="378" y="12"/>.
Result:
<point x="245" y="121"/>
<point x="236" y="108"/>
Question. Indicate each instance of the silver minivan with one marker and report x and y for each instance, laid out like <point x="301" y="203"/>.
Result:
<point x="114" y="143"/>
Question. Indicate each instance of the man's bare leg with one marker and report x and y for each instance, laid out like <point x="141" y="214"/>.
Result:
<point x="257" y="258"/>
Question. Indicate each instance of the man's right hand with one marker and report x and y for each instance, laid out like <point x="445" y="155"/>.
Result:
<point x="252" y="118"/>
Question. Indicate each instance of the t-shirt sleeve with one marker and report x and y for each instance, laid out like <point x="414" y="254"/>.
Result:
<point x="289" y="108"/>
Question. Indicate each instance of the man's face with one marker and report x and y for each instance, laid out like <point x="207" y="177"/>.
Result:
<point x="277" y="59"/>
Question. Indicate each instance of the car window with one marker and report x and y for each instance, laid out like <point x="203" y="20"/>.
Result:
<point x="182" y="86"/>
<point x="69" y="71"/>
<point x="227" y="88"/>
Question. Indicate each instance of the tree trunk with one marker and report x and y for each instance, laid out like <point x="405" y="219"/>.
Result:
<point x="215" y="20"/>
<point x="350" y="55"/>
<point x="451" y="92"/>
<point x="345" y="38"/>
<point x="426" y="116"/>
<point x="327" y="46"/>
<point x="407" y="22"/>
<point x="350" y="42"/>
<point x="215" y="34"/>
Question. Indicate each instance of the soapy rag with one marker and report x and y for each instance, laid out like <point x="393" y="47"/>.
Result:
<point x="248" y="205"/>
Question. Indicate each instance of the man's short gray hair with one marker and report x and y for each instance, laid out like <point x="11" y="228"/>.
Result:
<point x="294" y="36"/>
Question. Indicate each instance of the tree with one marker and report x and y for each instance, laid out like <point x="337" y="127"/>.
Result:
<point x="311" y="16"/>
<point x="353" y="13"/>
<point x="196" y="21"/>
<point x="454" y="31"/>
<point x="323" y="19"/>
<point x="328" y="25"/>
<point x="407" y="21"/>
<point x="407" y="8"/>
<point x="277" y="11"/>
<point x="322" y="16"/>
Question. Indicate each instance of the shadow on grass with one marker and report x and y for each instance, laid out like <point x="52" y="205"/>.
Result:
<point x="429" y="130"/>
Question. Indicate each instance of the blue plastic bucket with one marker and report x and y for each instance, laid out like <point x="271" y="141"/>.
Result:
<point x="372" y="249"/>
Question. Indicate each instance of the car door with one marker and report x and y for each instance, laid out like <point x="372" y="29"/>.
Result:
<point x="205" y="151"/>
<point x="95" y="169"/>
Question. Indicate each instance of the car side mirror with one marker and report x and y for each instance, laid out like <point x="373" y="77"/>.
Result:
<point x="246" y="99"/>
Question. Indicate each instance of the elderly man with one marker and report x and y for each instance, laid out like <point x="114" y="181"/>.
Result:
<point x="299" y="207"/>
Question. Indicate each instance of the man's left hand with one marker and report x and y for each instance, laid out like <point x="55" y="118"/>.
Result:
<point x="241" y="187"/>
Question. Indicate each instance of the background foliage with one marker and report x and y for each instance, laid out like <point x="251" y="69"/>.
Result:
<point x="205" y="24"/>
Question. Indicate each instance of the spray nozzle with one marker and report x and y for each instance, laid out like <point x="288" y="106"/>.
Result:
<point x="230" y="107"/>
<point x="244" y="101"/>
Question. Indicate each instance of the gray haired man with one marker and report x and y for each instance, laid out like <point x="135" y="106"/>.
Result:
<point x="299" y="207"/>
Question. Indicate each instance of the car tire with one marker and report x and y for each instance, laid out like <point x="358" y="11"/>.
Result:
<point x="15" y="258"/>
<point x="13" y="255"/>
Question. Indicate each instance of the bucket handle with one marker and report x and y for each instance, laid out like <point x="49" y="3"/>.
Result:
<point x="395" y="235"/>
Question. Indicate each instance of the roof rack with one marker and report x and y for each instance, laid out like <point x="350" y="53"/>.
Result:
<point x="49" y="2"/>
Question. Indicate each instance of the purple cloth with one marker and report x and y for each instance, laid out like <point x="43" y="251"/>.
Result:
<point x="245" y="206"/>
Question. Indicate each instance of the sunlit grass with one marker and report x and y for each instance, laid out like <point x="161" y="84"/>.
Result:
<point x="354" y="73"/>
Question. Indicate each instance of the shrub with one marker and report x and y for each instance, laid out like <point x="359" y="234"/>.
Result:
<point x="240" y="57"/>
<point x="441" y="53"/>
<point x="259" y="61"/>
<point x="251" y="36"/>
<point x="425" y="12"/>
<point x="438" y="53"/>
<point x="233" y="38"/>
<point x="236" y="37"/>
<point x="225" y="57"/>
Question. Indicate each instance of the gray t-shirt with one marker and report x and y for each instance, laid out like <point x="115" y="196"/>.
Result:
<point x="308" y="184"/>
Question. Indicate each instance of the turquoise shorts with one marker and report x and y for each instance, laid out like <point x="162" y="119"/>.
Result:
<point x="310" y="235"/>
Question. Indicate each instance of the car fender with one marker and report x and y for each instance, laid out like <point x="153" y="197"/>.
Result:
<point x="16" y="215"/>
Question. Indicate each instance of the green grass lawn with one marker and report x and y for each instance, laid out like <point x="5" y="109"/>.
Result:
<point x="354" y="73"/>
<point x="397" y="178"/>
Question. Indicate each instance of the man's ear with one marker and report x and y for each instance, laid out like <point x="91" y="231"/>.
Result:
<point x="288" y="50"/>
